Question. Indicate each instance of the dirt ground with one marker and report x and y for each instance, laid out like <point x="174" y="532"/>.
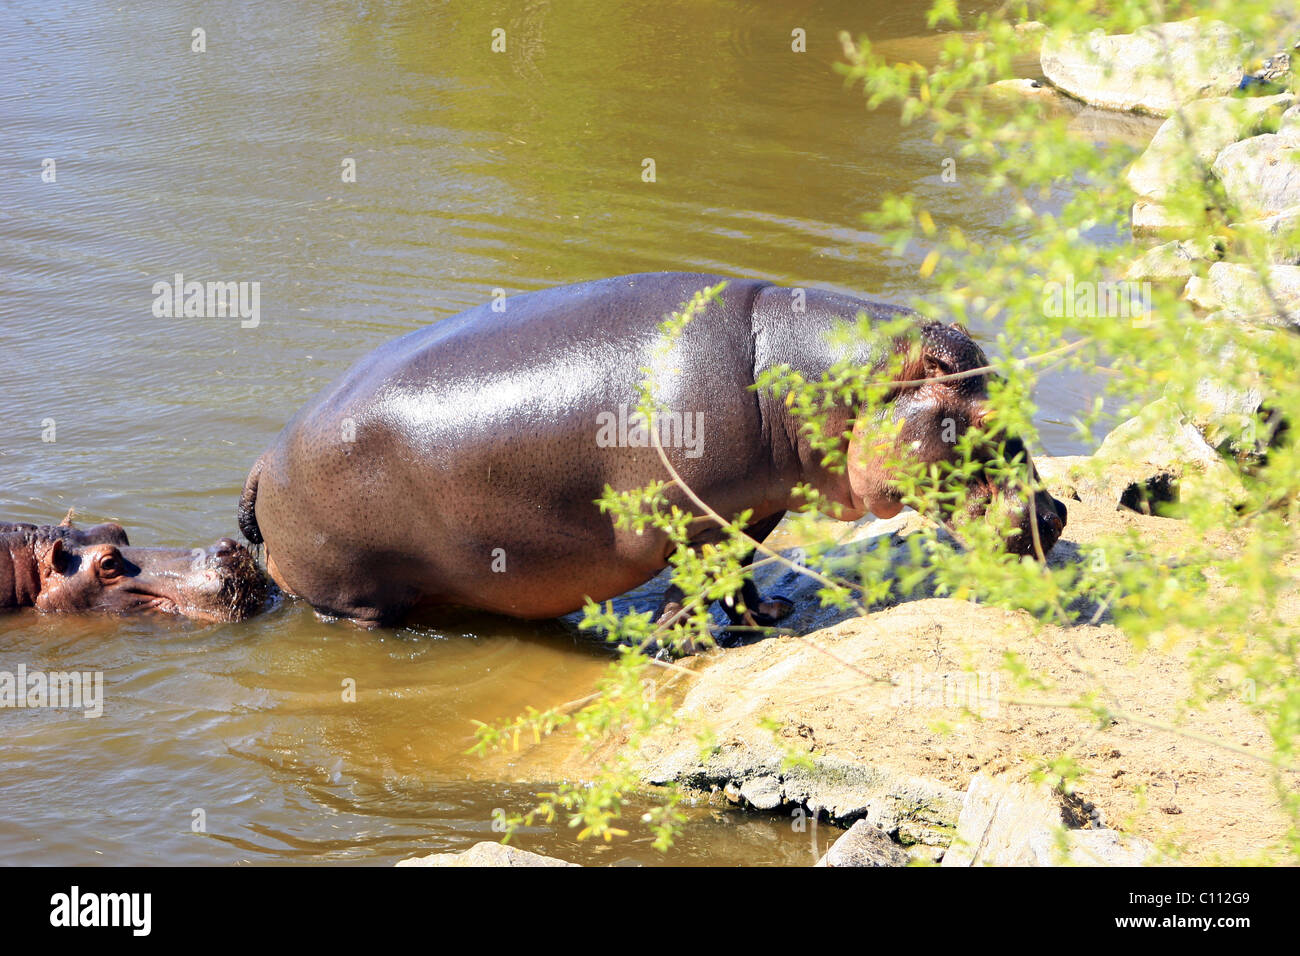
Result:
<point x="919" y="689"/>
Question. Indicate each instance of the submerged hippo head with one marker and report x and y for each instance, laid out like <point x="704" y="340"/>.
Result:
<point x="62" y="568"/>
<point x="932" y="418"/>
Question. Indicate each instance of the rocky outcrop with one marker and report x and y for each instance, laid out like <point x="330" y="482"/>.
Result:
<point x="891" y="718"/>
<point x="1187" y="144"/>
<point x="1152" y="218"/>
<point x="1154" y="70"/>
<point x="749" y="771"/>
<point x="1277" y="234"/>
<point x="485" y="854"/>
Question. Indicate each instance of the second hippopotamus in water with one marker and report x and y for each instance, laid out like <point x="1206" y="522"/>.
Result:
<point x="65" y="568"/>
<point x="459" y="464"/>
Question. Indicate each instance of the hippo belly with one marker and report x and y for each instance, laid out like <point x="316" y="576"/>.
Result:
<point x="459" y="464"/>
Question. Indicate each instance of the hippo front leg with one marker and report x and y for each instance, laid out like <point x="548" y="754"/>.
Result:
<point x="750" y="610"/>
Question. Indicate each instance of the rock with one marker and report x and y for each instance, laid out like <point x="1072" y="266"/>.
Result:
<point x="763" y="793"/>
<point x="913" y="809"/>
<point x="1034" y="89"/>
<point x="1153" y="70"/>
<point x="865" y="845"/>
<point x="998" y="819"/>
<point x="1278" y="235"/>
<point x="1088" y="122"/>
<point x="1151" y="218"/>
<point x="1089" y="848"/>
<point x="1225" y="416"/>
<point x="485" y="854"/>
<point x="1171" y="260"/>
<point x="1224" y="408"/>
<point x="1187" y="143"/>
<point x="1200" y="293"/>
<point x="1261" y="175"/>
<point x="1290" y="123"/>
<point x="1156" y="459"/>
<point x="1109" y="127"/>
<point x="1061" y="474"/>
<point x="1016" y="823"/>
<point x="1243" y="293"/>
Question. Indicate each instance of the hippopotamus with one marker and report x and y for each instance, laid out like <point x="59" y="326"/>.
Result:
<point x="65" y="568"/>
<point x="460" y="463"/>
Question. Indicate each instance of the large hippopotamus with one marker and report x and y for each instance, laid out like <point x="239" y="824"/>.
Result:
<point x="459" y="464"/>
<point x="65" y="568"/>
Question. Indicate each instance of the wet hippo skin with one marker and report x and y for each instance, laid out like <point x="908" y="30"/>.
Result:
<point x="459" y="464"/>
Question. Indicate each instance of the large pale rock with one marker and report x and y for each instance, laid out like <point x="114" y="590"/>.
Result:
<point x="1261" y="175"/>
<point x="1153" y="70"/>
<point x="1224" y="407"/>
<point x="1061" y="474"/>
<point x="1153" y="460"/>
<point x="1186" y="144"/>
<point x="1224" y="414"/>
<point x="1178" y="259"/>
<point x="998" y="819"/>
<point x="1152" y="218"/>
<point x="1244" y="293"/>
<point x="485" y="854"/>
<point x="865" y="845"/>
<point x="1088" y="848"/>
<point x="1016" y="823"/>
<point x="1290" y="123"/>
<point x="1279" y="235"/>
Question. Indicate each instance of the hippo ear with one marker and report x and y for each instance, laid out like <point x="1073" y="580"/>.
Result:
<point x="55" y="558"/>
<point x="936" y="364"/>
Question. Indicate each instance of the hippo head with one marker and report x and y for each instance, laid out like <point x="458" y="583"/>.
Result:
<point x="61" y="568"/>
<point x="933" y="414"/>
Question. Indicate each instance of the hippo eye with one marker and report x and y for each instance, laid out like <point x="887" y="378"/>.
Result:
<point x="110" y="565"/>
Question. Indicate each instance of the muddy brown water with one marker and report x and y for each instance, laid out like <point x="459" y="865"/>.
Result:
<point x="474" y="171"/>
